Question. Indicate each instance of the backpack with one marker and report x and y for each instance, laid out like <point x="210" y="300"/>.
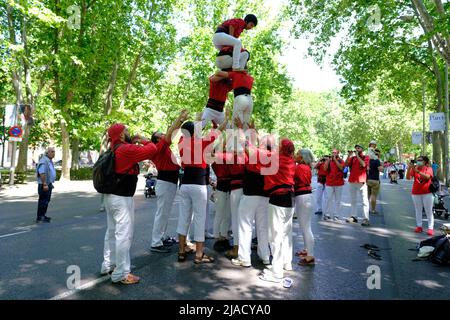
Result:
<point x="104" y="175"/>
<point x="435" y="185"/>
<point x="441" y="253"/>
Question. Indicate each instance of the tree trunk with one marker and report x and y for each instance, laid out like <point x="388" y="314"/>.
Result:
<point x="75" y="153"/>
<point x="23" y="148"/>
<point x="428" y="23"/>
<point x="131" y="77"/>
<point x="65" y="140"/>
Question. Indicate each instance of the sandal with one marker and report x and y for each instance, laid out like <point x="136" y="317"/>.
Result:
<point x="181" y="256"/>
<point x="302" y="253"/>
<point x="203" y="259"/>
<point x="130" y="279"/>
<point x="306" y="262"/>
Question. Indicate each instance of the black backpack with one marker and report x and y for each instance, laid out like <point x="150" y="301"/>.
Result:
<point x="104" y="176"/>
<point x="441" y="253"/>
<point x="435" y="185"/>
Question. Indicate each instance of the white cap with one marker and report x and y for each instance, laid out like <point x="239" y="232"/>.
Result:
<point x="372" y="142"/>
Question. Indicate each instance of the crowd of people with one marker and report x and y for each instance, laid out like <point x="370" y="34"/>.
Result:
<point x="261" y="182"/>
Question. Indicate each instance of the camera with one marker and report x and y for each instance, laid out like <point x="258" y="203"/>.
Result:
<point x="413" y="161"/>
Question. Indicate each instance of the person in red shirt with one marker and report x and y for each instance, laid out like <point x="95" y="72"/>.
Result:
<point x="280" y="188"/>
<point x="218" y="92"/>
<point x="166" y="188"/>
<point x="421" y="195"/>
<point x="222" y="217"/>
<point x="334" y="167"/>
<point x="253" y="209"/>
<point x="303" y="204"/>
<point x="242" y="84"/>
<point x="227" y="34"/>
<point x="193" y="191"/>
<point x="321" y="179"/>
<point x="119" y="204"/>
<point x="358" y="165"/>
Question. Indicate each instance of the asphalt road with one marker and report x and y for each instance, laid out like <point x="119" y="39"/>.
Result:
<point x="35" y="258"/>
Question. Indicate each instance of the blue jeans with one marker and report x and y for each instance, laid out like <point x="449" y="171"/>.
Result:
<point x="44" y="199"/>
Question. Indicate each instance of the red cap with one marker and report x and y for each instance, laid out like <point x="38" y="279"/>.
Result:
<point x="115" y="131"/>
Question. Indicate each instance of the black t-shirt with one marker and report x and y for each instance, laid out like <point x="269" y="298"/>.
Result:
<point x="374" y="173"/>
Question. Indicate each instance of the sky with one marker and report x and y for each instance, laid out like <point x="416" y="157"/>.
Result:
<point x="307" y="75"/>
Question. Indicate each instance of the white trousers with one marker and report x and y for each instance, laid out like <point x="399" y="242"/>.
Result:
<point x="209" y="221"/>
<point x="193" y="201"/>
<point x="235" y="199"/>
<point x="304" y="211"/>
<point x="223" y="39"/>
<point x="253" y="208"/>
<point x="359" y="189"/>
<point x="321" y="197"/>
<point x="280" y="237"/>
<point x="226" y="61"/>
<point x="243" y="108"/>
<point x="119" y="235"/>
<point x="210" y="114"/>
<point x="333" y="202"/>
<point x="424" y="201"/>
<point x="222" y="218"/>
<point x="165" y="195"/>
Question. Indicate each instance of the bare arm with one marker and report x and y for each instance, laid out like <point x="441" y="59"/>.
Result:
<point x="176" y="125"/>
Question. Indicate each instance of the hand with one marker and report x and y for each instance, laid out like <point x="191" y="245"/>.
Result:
<point x="136" y="139"/>
<point x="183" y="115"/>
<point x="45" y="187"/>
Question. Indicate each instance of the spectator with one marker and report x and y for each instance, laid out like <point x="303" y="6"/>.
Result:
<point x="435" y="167"/>
<point x="303" y="204"/>
<point x="373" y="180"/>
<point x="421" y="195"/>
<point x="46" y="175"/>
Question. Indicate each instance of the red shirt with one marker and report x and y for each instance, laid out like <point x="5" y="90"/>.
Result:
<point x="358" y="173"/>
<point x="128" y="155"/>
<point x="237" y="171"/>
<point x="321" y="170"/>
<point x="284" y="175"/>
<point x="420" y="185"/>
<point x="164" y="159"/>
<point x="238" y="25"/>
<point x="335" y="176"/>
<point x="302" y="178"/>
<point x="241" y="79"/>
<point x="218" y="90"/>
<point x="192" y="150"/>
<point x="220" y="167"/>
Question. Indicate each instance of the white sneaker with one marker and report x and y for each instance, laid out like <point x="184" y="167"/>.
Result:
<point x="266" y="262"/>
<point x="240" y="263"/>
<point x="287" y="267"/>
<point x="270" y="277"/>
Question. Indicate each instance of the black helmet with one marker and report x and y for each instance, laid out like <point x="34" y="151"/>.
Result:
<point x="251" y="18"/>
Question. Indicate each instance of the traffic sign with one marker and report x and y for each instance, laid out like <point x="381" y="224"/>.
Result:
<point x="15" y="131"/>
